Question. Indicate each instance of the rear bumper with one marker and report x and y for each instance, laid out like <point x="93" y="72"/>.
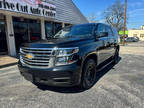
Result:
<point x="59" y="76"/>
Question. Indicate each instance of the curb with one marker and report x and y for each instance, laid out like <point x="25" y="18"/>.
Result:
<point x="7" y="65"/>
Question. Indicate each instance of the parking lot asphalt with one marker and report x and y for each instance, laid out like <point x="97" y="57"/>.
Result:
<point x="119" y="86"/>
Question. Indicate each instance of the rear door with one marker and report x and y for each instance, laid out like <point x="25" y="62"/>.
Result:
<point x="111" y="42"/>
<point x="102" y="42"/>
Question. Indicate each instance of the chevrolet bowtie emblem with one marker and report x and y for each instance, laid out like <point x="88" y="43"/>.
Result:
<point x="29" y="56"/>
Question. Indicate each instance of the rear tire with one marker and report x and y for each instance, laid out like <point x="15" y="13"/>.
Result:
<point x="89" y="74"/>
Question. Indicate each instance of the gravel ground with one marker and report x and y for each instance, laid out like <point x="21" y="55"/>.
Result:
<point x="135" y="44"/>
<point x="119" y="86"/>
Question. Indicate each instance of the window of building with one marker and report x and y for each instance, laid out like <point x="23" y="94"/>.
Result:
<point x="52" y="28"/>
<point x="49" y="27"/>
<point x="142" y="35"/>
<point x="26" y="30"/>
<point x="35" y="31"/>
<point x="57" y="27"/>
<point x="3" y="41"/>
<point x="66" y="25"/>
<point x="134" y="35"/>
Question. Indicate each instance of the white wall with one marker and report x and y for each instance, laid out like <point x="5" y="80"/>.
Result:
<point x="68" y="12"/>
<point x="10" y="36"/>
<point x="138" y="32"/>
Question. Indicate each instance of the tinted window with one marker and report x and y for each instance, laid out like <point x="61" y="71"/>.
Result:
<point x="57" y="27"/>
<point x="78" y="31"/>
<point x="35" y="31"/>
<point x="82" y="30"/>
<point x="49" y="29"/>
<point x="101" y="28"/>
<point x="108" y="29"/>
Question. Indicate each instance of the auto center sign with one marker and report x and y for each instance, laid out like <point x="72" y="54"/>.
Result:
<point x="34" y="7"/>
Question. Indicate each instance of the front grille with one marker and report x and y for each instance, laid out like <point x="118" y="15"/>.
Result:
<point x="36" y="57"/>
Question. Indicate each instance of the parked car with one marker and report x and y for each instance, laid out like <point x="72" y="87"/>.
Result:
<point x="71" y="57"/>
<point x="132" y="39"/>
<point x="137" y="38"/>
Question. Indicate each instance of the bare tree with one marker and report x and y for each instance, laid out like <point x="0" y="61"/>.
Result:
<point x="114" y="15"/>
<point x="92" y="18"/>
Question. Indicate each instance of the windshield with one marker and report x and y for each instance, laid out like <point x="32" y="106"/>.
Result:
<point x="79" y="31"/>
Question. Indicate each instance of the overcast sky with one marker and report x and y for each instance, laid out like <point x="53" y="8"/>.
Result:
<point x="135" y="10"/>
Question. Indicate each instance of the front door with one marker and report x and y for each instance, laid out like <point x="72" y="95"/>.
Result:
<point x="3" y="41"/>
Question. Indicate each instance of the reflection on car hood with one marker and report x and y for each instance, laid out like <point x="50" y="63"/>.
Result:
<point x="61" y="42"/>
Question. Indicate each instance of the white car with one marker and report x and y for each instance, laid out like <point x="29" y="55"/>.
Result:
<point x="132" y="39"/>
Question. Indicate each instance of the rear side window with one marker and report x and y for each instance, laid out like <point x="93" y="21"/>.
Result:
<point x="101" y="28"/>
<point x="109" y="30"/>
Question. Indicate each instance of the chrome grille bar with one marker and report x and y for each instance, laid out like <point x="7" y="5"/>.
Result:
<point x="35" y="63"/>
<point x="40" y="57"/>
<point x="36" y="51"/>
<point x="39" y="61"/>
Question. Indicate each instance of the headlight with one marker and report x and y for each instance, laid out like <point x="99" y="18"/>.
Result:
<point x="66" y="51"/>
<point x="20" y="50"/>
<point x="20" y="57"/>
<point x="21" y="60"/>
<point x="66" y="56"/>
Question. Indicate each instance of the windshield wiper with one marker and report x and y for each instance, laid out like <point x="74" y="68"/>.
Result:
<point x="57" y="36"/>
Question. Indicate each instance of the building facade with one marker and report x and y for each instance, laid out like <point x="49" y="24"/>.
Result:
<point x="136" y="33"/>
<point x="30" y="20"/>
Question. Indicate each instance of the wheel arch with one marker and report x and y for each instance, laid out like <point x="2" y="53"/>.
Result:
<point x="89" y="56"/>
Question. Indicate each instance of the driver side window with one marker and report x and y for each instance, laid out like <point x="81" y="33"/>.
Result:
<point x="101" y="28"/>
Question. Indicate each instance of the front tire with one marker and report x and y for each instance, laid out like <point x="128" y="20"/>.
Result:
<point x="89" y="74"/>
<point x="116" y="57"/>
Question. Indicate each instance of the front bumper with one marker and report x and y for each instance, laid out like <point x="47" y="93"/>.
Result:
<point x="69" y="75"/>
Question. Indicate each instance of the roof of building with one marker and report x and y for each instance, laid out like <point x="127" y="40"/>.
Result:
<point x="68" y="12"/>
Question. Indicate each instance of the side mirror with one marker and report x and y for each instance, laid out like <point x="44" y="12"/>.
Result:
<point x="103" y="34"/>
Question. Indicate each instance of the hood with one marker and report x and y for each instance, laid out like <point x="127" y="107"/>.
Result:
<point x="61" y="42"/>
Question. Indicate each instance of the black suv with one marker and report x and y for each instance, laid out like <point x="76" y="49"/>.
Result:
<point x="71" y="57"/>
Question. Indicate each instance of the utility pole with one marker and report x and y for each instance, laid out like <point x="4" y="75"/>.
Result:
<point x="125" y="18"/>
